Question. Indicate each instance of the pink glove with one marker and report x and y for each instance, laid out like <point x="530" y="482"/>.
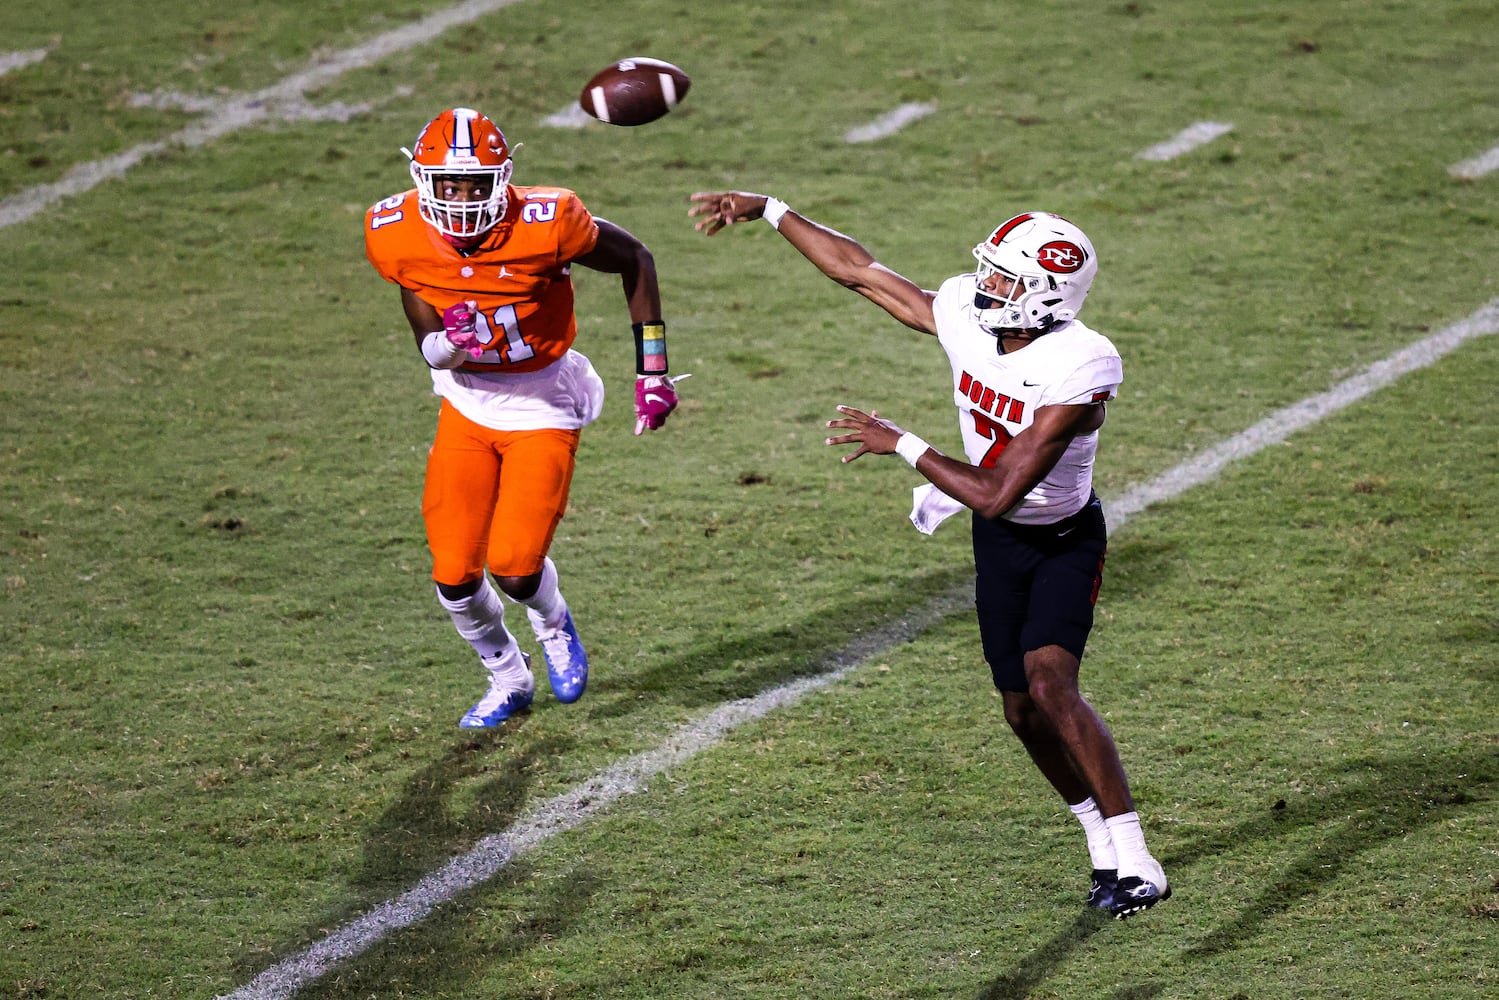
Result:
<point x="655" y="397"/>
<point x="458" y="323"/>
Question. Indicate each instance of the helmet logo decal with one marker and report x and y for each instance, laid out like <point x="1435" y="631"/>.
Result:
<point x="461" y="145"/>
<point x="1061" y="257"/>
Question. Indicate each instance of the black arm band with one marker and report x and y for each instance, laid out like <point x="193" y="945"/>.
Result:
<point x="650" y="347"/>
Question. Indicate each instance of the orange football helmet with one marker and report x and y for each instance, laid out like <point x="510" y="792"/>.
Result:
<point x="461" y="143"/>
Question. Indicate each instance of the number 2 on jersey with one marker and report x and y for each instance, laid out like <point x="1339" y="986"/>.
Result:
<point x="996" y="432"/>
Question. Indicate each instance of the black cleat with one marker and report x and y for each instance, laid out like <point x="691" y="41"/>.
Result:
<point x="1132" y="894"/>
<point x="1101" y="893"/>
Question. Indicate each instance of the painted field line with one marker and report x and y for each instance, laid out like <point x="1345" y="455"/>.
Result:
<point x="15" y="60"/>
<point x="597" y="794"/>
<point x="245" y="110"/>
<point x="1484" y="163"/>
<point x="579" y="805"/>
<point x="1283" y="423"/>
<point x="889" y="123"/>
<point x="1188" y="139"/>
<point x="572" y="116"/>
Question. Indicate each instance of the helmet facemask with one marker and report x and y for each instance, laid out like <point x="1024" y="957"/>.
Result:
<point x="1002" y="312"/>
<point x="461" y="221"/>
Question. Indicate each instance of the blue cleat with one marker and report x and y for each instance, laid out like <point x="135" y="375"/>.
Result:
<point x="501" y="702"/>
<point x="567" y="663"/>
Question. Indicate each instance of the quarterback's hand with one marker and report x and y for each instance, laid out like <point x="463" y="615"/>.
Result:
<point x="723" y="208"/>
<point x="655" y="398"/>
<point x="459" y="325"/>
<point x="872" y="433"/>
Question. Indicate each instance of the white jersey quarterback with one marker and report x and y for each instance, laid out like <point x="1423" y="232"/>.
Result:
<point x="997" y="395"/>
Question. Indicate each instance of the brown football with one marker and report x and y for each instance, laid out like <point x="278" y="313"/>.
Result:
<point x="634" y="91"/>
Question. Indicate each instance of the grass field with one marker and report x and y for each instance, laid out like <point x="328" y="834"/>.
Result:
<point x="229" y="724"/>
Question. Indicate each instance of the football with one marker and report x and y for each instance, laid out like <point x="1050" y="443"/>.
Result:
<point x="634" y="91"/>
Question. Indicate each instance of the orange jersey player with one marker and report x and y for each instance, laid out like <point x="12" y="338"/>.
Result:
<point x="483" y="268"/>
<point x="516" y="282"/>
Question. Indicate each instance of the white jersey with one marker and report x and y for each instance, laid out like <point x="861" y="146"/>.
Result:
<point x="997" y="395"/>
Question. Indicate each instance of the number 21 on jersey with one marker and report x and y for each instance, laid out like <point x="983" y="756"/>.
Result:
<point x="510" y="344"/>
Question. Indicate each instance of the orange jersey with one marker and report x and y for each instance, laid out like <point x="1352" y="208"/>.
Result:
<point x="518" y="277"/>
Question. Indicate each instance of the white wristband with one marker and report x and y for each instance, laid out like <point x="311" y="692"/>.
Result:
<point x="774" y="209"/>
<point x="910" y="447"/>
<point x="441" y="352"/>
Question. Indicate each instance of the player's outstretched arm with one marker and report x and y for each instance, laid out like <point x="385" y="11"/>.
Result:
<point x="840" y="257"/>
<point x="1025" y="461"/>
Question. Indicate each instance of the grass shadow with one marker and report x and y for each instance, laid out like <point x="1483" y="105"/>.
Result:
<point x="729" y="668"/>
<point x="1379" y="799"/>
<point x="445" y="954"/>
<point x="1021" y="982"/>
<point x="421" y="831"/>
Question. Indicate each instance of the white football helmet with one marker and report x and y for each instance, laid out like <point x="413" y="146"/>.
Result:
<point x="463" y="143"/>
<point x="1052" y="264"/>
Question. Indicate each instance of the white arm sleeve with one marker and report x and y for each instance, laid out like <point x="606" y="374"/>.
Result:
<point x="441" y="352"/>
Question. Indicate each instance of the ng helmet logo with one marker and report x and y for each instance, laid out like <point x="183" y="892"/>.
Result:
<point x="1061" y="257"/>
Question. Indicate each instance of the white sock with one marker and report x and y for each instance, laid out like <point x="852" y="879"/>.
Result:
<point x="1129" y="843"/>
<point x="1100" y="844"/>
<point x="480" y="619"/>
<point x="510" y="670"/>
<point x="546" y="607"/>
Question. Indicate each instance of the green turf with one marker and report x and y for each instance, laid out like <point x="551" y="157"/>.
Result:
<point x="228" y="723"/>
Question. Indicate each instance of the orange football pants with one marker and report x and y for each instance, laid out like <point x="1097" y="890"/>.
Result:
<point x="493" y="497"/>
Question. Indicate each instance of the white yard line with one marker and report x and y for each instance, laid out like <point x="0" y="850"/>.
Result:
<point x="575" y="807"/>
<point x="597" y="794"/>
<point x="1188" y="139"/>
<point x="1283" y="423"/>
<point x="889" y="123"/>
<point x="284" y="99"/>
<point x="572" y="116"/>
<point x="15" y="60"/>
<point x="1484" y="163"/>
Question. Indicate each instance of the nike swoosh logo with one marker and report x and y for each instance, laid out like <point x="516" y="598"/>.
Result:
<point x="651" y="397"/>
<point x="1029" y="385"/>
<point x="1069" y="531"/>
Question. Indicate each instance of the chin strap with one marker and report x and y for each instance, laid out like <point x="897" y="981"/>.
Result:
<point x="1029" y="336"/>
